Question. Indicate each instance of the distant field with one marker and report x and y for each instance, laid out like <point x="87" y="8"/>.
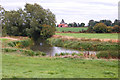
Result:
<point x="91" y="35"/>
<point x="71" y="29"/>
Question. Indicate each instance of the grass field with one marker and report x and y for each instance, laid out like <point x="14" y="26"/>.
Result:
<point x="73" y="29"/>
<point x="19" y="66"/>
<point x="91" y="35"/>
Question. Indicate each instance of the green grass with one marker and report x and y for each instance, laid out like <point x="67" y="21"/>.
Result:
<point x="2" y="39"/>
<point x="91" y="35"/>
<point x="73" y="29"/>
<point x="84" y="45"/>
<point x="19" y="66"/>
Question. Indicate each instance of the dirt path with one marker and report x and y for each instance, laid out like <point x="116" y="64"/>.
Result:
<point x="85" y="39"/>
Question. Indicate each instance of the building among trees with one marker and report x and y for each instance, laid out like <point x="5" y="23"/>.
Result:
<point x="63" y="24"/>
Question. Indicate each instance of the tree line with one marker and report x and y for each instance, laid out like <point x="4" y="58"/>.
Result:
<point x="93" y="23"/>
<point x="102" y="26"/>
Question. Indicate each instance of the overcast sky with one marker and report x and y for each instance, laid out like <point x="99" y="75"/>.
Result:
<point x="72" y="10"/>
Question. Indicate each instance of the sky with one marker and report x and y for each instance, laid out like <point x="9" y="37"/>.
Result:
<point x="72" y="10"/>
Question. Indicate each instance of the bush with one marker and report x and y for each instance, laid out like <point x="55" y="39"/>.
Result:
<point x="62" y="54"/>
<point x="116" y="28"/>
<point x="33" y="53"/>
<point x="26" y="52"/>
<point x="20" y="44"/>
<point x="56" y="54"/>
<point x="109" y="29"/>
<point x="74" y="54"/>
<point x="11" y="44"/>
<point x="9" y="50"/>
<point x="100" y="28"/>
<point x="29" y="53"/>
<point x="108" y="54"/>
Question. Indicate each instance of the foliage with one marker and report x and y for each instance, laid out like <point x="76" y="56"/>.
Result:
<point x="111" y="27"/>
<point x="32" y="21"/>
<point x="84" y="45"/>
<point x="82" y="25"/>
<point x="116" y="28"/>
<point x="116" y="22"/>
<point x="9" y="50"/>
<point x="25" y="52"/>
<point x="100" y="28"/>
<point x="21" y="44"/>
<point x="74" y="54"/>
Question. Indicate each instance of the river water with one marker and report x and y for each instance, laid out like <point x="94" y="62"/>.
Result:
<point x="52" y="50"/>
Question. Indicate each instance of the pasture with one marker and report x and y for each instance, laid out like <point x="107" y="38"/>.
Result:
<point x="91" y="35"/>
<point x="72" y="29"/>
<point x="20" y="66"/>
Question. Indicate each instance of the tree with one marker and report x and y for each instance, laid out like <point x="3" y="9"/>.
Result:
<point x="2" y="12"/>
<point x="100" y="28"/>
<point x="75" y="24"/>
<point x="33" y="21"/>
<point x="106" y="22"/>
<point x="62" y="21"/>
<point x="70" y="24"/>
<point x="91" y="23"/>
<point x="116" y="22"/>
<point x="116" y="28"/>
<point x="38" y="18"/>
<point x="82" y="25"/>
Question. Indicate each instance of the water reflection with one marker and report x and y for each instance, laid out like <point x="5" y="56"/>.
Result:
<point x="51" y="50"/>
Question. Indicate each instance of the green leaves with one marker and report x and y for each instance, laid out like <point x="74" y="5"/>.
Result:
<point x="33" y="21"/>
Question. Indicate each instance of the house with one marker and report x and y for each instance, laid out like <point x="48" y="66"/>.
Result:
<point x="63" y="24"/>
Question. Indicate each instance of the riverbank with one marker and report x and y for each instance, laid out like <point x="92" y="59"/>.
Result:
<point x="20" y="62"/>
<point x="106" y="49"/>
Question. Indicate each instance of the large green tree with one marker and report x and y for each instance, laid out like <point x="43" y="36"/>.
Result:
<point x="34" y="21"/>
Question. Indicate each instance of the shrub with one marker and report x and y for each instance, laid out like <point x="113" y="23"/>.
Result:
<point x="26" y="52"/>
<point x="11" y="44"/>
<point x="74" y="54"/>
<point x="29" y="53"/>
<point x="66" y="53"/>
<point x="116" y="28"/>
<point x="109" y="29"/>
<point x="56" y="54"/>
<point x="43" y="54"/>
<point x="62" y="54"/>
<point x="20" y="44"/>
<point x="9" y="50"/>
<point x="80" y="54"/>
<point x="38" y="53"/>
<point x="100" y="28"/>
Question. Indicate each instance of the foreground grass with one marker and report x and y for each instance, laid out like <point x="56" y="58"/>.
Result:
<point x="73" y="29"/>
<point x="91" y="35"/>
<point x="18" y="66"/>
